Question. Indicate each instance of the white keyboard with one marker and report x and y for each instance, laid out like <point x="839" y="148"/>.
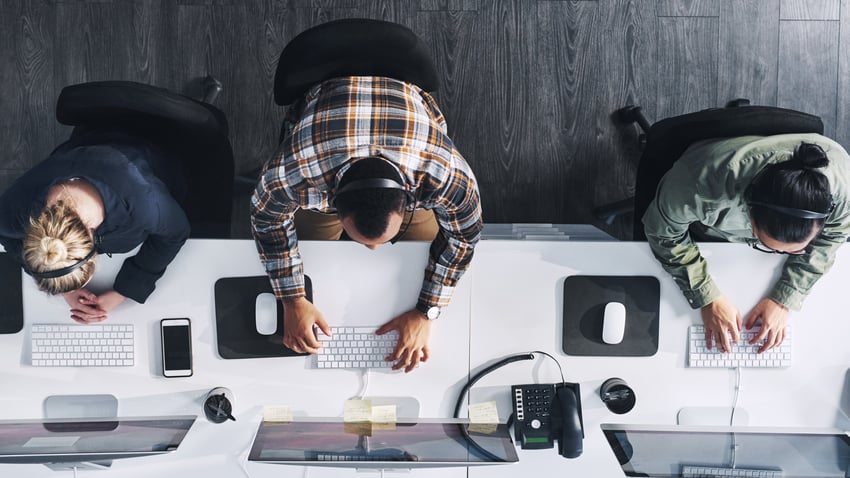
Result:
<point x="691" y="471"/>
<point x="742" y="354"/>
<point x="101" y="345"/>
<point x="355" y="347"/>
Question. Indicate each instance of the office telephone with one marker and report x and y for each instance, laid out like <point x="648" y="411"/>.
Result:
<point x="544" y="413"/>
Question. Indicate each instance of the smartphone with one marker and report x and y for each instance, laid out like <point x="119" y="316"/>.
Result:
<point x="176" y="347"/>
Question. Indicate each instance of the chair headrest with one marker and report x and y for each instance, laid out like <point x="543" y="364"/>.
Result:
<point x="352" y="47"/>
<point x="106" y="101"/>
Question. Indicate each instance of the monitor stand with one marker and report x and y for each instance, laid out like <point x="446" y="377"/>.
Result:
<point x="80" y="406"/>
<point x="712" y="416"/>
<point x="406" y="407"/>
<point x="80" y="465"/>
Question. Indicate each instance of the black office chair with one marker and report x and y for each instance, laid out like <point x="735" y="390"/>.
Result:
<point x="193" y="132"/>
<point x="664" y="142"/>
<point x="351" y="47"/>
<point x="348" y="47"/>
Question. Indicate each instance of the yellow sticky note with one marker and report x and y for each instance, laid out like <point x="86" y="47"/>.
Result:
<point x="277" y="413"/>
<point x="384" y="414"/>
<point x="484" y="412"/>
<point x="357" y="411"/>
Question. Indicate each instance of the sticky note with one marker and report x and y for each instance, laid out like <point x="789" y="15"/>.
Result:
<point x="484" y="412"/>
<point x="277" y="413"/>
<point x="357" y="411"/>
<point x="384" y="414"/>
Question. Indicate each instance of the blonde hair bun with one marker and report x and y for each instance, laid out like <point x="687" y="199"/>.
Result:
<point x="53" y="250"/>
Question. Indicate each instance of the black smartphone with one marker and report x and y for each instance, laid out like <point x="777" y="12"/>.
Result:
<point x="176" y="347"/>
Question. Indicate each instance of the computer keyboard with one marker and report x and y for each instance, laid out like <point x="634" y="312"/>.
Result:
<point x="691" y="471"/>
<point x="355" y="347"/>
<point x="742" y="354"/>
<point x="100" y="345"/>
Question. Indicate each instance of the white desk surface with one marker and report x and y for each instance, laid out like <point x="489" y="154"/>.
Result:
<point x="509" y="302"/>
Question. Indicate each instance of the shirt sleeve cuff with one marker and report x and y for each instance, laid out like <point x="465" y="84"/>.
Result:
<point x="700" y="297"/>
<point x="288" y="287"/>
<point x="787" y="296"/>
<point x="435" y="296"/>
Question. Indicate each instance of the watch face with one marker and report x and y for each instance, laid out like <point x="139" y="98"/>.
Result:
<point x="433" y="313"/>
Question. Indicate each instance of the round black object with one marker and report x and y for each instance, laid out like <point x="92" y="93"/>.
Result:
<point x="218" y="408"/>
<point x="617" y="396"/>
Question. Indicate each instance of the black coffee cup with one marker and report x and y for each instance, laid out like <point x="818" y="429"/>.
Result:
<point x="617" y="396"/>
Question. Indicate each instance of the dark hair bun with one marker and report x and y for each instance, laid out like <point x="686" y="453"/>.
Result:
<point x="810" y="156"/>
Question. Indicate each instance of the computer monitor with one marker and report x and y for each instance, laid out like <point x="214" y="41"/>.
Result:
<point x="660" y="451"/>
<point x="78" y="442"/>
<point x="423" y="443"/>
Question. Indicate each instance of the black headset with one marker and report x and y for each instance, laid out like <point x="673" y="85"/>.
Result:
<point x="63" y="271"/>
<point x="795" y="212"/>
<point x="375" y="183"/>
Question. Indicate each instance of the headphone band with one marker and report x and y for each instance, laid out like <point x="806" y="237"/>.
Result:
<point x="63" y="271"/>
<point x="794" y="212"/>
<point x="372" y="183"/>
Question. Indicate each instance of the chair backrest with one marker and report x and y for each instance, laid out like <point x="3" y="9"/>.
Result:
<point x="352" y="47"/>
<point x="193" y="133"/>
<point x="104" y="102"/>
<point x="669" y="138"/>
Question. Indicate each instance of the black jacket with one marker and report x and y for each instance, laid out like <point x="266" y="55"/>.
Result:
<point x="129" y="174"/>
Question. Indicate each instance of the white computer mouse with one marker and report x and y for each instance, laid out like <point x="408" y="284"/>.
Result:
<point x="265" y="313"/>
<point x="613" y="323"/>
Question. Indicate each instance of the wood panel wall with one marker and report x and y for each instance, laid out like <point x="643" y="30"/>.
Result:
<point x="528" y="86"/>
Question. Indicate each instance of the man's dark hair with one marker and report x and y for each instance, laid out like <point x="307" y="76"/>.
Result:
<point x="792" y="184"/>
<point x="370" y="209"/>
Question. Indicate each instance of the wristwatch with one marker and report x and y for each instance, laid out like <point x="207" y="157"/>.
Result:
<point x="431" y="312"/>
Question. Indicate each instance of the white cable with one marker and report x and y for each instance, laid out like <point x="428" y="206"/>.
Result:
<point x="735" y="400"/>
<point x="364" y="384"/>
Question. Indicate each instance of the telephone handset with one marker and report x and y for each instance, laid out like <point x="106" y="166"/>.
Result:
<point x="544" y="413"/>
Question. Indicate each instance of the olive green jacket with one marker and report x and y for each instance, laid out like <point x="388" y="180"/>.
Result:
<point x="705" y="187"/>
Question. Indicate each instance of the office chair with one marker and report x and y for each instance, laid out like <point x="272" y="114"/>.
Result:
<point x="348" y="47"/>
<point x="194" y="132"/>
<point x="664" y="142"/>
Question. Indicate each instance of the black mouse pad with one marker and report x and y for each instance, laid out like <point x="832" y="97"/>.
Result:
<point x="585" y="298"/>
<point x="236" y="326"/>
<point x="11" y="296"/>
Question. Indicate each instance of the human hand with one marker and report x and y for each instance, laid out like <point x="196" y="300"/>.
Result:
<point x="298" y="332"/>
<point x="84" y="306"/>
<point x="774" y="318"/>
<point x="109" y="300"/>
<point x="721" y="320"/>
<point x="412" y="346"/>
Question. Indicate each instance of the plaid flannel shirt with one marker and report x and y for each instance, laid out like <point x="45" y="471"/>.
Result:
<point x="339" y="121"/>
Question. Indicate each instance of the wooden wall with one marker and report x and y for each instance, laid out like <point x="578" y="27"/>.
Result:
<point x="528" y="86"/>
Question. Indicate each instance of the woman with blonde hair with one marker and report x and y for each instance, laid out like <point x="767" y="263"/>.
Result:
<point x="141" y="162"/>
<point x="101" y="192"/>
<point x="59" y="250"/>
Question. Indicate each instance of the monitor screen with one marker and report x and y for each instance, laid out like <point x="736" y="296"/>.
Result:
<point x="659" y="451"/>
<point x="402" y="445"/>
<point x="78" y="440"/>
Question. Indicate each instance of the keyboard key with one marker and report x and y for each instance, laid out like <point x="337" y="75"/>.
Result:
<point x="742" y="354"/>
<point x="102" y="345"/>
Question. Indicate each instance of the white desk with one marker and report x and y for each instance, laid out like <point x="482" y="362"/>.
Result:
<point x="510" y="300"/>
<point x="517" y="297"/>
<point x="351" y="285"/>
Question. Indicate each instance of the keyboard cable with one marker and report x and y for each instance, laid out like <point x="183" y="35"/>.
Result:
<point x="735" y="399"/>
<point x="364" y="384"/>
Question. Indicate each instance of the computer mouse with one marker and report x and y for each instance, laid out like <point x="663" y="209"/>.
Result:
<point x="265" y="313"/>
<point x="613" y="323"/>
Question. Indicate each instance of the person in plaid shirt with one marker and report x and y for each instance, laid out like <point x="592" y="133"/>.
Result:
<point x="347" y="130"/>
